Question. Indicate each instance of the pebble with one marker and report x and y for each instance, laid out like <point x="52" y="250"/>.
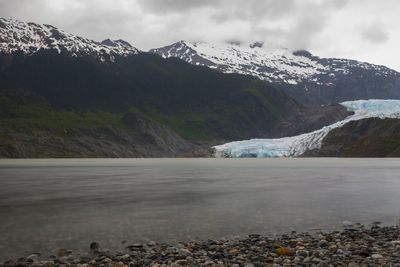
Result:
<point x="323" y="264"/>
<point x="185" y="252"/>
<point x="323" y="243"/>
<point x="33" y="258"/>
<point x="151" y="243"/>
<point x="64" y="252"/>
<point x="376" y="256"/>
<point x="339" y="251"/>
<point x="94" y="246"/>
<point x="348" y="223"/>
<point x="376" y="245"/>
<point x="302" y="253"/>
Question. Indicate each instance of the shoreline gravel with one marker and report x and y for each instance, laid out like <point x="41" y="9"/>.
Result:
<point x="356" y="245"/>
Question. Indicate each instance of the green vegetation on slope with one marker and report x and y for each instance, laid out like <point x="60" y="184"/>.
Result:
<point x="372" y="137"/>
<point x="21" y="107"/>
<point x="196" y="102"/>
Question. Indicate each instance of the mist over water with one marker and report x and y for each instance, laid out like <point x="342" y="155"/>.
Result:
<point x="68" y="203"/>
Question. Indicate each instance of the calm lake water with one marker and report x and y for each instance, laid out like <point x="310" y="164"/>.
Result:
<point x="67" y="203"/>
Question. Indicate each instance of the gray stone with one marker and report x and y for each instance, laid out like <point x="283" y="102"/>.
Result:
<point x="94" y="246"/>
<point x="376" y="256"/>
<point x="107" y="260"/>
<point x="185" y="252"/>
<point x="181" y="262"/>
<point x="302" y="253"/>
<point x="151" y="243"/>
<point x="323" y="243"/>
<point x="33" y="257"/>
<point x="323" y="264"/>
<point x="64" y="252"/>
<point x="348" y="223"/>
<point x="339" y="251"/>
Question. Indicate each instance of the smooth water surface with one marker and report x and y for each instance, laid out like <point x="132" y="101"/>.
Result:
<point x="67" y="203"/>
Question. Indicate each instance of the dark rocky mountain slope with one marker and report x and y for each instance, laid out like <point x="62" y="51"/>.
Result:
<point x="56" y="92"/>
<point x="141" y="137"/>
<point x="371" y="137"/>
<point x="59" y="91"/>
<point x="197" y="102"/>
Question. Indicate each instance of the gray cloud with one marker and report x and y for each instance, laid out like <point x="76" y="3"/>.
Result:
<point x="303" y="33"/>
<point x="173" y="6"/>
<point x="337" y="3"/>
<point x="252" y="10"/>
<point x="375" y="32"/>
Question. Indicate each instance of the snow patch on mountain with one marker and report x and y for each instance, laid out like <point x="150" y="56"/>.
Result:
<point x="30" y="37"/>
<point x="275" y="65"/>
<point x="297" y="145"/>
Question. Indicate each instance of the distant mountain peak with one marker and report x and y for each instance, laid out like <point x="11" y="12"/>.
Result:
<point x="108" y="42"/>
<point x="302" y="53"/>
<point x="116" y="43"/>
<point x="270" y="64"/>
<point x="234" y="42"/>
<point x="256" y="44"/>
<point x="29" y="37"/>
<point x="305" y="77"/>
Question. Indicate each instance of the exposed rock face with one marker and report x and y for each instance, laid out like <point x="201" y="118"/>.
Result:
<point x="142" y="138"/>
<point x="371" y="137"/>
<point x="307" y="78"/>
<point x="310" y="118"/>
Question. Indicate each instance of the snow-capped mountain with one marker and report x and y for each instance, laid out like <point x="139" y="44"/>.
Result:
<point x="297" y="145"/>
<point x="30" y="37"/>
<point x="305" y="77"/>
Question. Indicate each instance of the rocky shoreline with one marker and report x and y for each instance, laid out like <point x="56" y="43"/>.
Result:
<point x="356" y="245"/>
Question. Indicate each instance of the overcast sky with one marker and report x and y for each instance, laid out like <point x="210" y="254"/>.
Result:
<point x="367" y="30"/>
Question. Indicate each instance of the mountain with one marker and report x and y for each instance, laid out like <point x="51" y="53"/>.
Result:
<point x="67" y="134"/>
<point x="196" y="102"/>
<point x="30" y="37"/>
<point x="301" y="144"/>
<point x="373" y="137"/>
<point x="307" y="78"/>
<point x="62" y="95"/>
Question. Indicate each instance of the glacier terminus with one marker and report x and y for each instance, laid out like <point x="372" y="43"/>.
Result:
<point x="296" y="145"/>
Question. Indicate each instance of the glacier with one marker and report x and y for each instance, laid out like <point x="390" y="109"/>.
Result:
<point x="296" y="145"/>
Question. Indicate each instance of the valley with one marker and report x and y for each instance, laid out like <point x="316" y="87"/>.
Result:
<point x="62" y="95"/>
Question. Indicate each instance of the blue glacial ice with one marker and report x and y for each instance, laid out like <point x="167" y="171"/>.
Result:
<point x="296" y="145"/>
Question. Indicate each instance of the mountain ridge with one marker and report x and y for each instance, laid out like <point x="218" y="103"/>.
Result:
<point x="191" y="99"/>
<point x="29" y="37"/>
<point x="66" y="85"/>
<point x="307" y="78"/>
